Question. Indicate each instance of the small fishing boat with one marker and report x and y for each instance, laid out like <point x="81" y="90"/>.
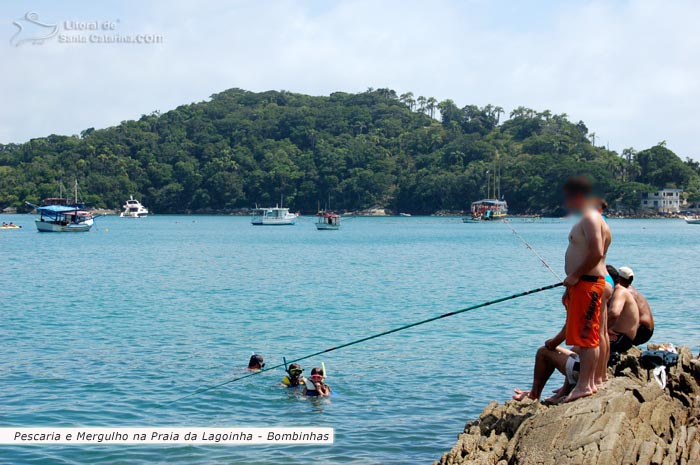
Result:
<point x="692" y="220"/>
<point x="278" y="216"/>
<point x="405" y="214"/>
<point x="327" y="221"/>
<point x="63" y="218"/>
<point x="133" y="209"/>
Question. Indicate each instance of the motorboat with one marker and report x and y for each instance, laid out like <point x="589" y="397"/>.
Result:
<point x="277" y="216"/>
<point x="133" y="209"/>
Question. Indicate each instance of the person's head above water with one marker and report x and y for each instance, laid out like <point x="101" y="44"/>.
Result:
<point x="256" y="362"/>
<point x="294" y="371"/>
<point x="614" y="274"/>
<point x="577" y="190"/>
<point x="626" y="276"/>
<point x="316" y="375"/>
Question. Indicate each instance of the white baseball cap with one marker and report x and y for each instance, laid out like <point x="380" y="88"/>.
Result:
<point x="626" y="272"/>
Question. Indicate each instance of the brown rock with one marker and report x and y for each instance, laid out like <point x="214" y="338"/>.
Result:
<point x="630" y="421"/>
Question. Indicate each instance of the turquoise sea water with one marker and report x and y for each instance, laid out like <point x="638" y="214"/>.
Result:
<point x="102" y="328"/>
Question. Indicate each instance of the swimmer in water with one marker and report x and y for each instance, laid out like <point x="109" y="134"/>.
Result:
<point x="293" y="377"/>
<point x="256" y="362"/>
<point x="315" y="386"/>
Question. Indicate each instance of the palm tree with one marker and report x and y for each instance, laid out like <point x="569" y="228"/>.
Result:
<point x="430" y="104"/>
<point x="407" y="98"/>
<point x="421" y="103"/>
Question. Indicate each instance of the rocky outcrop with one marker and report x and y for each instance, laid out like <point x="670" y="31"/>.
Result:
<point x="630" y="421"/>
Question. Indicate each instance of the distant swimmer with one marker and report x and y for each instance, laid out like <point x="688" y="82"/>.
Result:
<point x="256" y="362"/>
<point x="293" y="377"/>
<point x="585" y="282"/>
<point x="315" y="385"/>
<point x="623" y="316"/>
<point x="646" y="319"/>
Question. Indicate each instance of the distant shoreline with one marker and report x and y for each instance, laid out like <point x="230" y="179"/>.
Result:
<point x="105" y="212"/>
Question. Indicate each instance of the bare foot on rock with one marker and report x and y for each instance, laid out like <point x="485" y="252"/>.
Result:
<point x="579" y="393"/>
<point x="520" y="394"/>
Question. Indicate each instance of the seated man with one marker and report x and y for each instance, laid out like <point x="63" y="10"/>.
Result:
<point x="623" y="316"/>
<point x="646" y="319"/>
<point x="546" y="361"/>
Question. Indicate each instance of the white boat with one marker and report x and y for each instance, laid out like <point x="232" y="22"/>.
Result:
<point x="487" y="210"/>
<point x="63" y="218"/>
<point x="133" y="209"/>
<point x="692" y="220"/>
<point x="327" y="221"/>
<point x="278" y="216"/>
<point x="405" y="214"/>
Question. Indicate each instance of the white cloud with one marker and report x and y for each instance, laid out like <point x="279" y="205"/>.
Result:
<point x="630" y="70"/>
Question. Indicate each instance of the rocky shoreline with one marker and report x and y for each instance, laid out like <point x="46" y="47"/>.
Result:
<point x="630" y="421"/>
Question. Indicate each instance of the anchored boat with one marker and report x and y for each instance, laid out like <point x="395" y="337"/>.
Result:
<point x="133" y="209"/>
<point x="692" y="220"/>
<point x="278" y="216"/>
<point x="487" y="210"/>
<point x="63" y="218"/>
<point x="327" y="221"/>
<point x="492" y="207"/>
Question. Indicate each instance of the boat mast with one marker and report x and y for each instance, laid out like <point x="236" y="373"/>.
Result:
<point x="75" y="199"/>
<point x="488" y="183"/>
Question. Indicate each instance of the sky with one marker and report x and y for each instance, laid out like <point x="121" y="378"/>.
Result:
<point x="629" y="69"/>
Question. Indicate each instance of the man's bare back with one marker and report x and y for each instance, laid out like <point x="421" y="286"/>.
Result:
<point x="623" y="313"/>
<point x="591" y="233"/>
<point x="645" y="316"/>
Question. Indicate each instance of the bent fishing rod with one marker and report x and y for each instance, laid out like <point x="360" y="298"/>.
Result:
<point x="368" y="338"/>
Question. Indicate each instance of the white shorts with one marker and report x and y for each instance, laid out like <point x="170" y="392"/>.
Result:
<point x="572" y="372"/>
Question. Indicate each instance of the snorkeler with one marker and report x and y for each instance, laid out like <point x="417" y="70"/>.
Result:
<point x="293" y="377"/>
<point x="315" y="386"/>
<point x="256" y="362"/>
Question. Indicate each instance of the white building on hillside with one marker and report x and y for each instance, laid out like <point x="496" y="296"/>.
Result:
<point x="663" y="201"/>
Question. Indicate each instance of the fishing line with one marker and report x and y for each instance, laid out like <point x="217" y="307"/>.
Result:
<point x="368" y="338"/>
<point x="544" y="262"/>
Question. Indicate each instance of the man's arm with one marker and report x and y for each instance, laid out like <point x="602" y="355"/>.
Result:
<point x="556" y="341"/>
<point x="616" y="305"/>
<point x="595" y="249"/>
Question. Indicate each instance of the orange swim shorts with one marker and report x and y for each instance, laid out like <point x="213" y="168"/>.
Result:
<point x="583" y="302"/>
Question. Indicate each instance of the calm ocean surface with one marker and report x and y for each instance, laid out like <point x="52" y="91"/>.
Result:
<point x="100" y="329"/>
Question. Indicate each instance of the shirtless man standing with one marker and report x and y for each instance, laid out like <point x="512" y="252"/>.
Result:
<point x="585" y="282"/>
<point x="646" y="319"/>
<point x="623" y="316"/>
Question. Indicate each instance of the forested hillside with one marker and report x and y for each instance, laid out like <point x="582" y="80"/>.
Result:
<point x="373" y="148"/>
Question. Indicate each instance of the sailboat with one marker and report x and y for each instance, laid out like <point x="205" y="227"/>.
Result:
<point x="492" y="207"/>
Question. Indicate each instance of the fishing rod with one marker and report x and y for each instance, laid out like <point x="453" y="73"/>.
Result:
<point x="368" y="338"/>
<point x="532" y="249"/>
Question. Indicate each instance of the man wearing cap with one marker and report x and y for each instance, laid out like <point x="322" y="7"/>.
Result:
<point x="646" y="319"/>
<point x="623" y="316"/>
